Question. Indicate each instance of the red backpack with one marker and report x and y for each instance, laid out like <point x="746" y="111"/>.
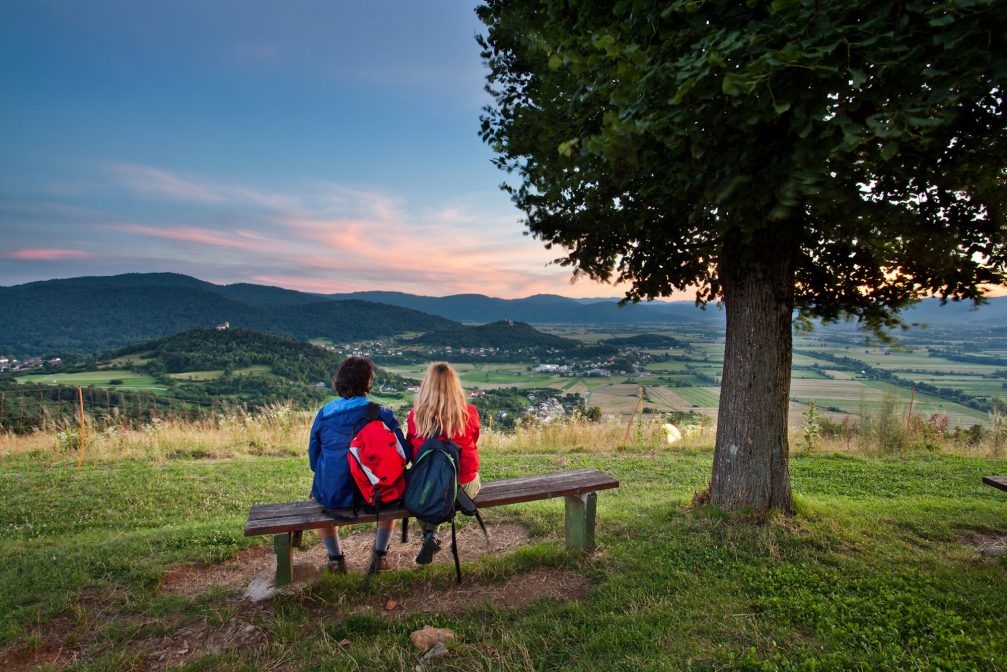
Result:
<point x="377" y="462"/>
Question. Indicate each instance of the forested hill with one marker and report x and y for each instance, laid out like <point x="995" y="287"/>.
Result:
<point x="541" y="308"/>
<point x="645" y="341"/>
<point x="504" y="335"/>
<point x="98" y="314"/>
<point x="230" y="350"/>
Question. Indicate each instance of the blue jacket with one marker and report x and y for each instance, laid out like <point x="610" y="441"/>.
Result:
<point x="330" y="439"/>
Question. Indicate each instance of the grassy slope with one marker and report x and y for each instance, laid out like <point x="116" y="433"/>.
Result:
<point x="870" y="574"/>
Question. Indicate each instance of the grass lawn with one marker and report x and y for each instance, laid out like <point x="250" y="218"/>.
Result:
<point x="129" y="378"/>
<point x="875" y="572"/>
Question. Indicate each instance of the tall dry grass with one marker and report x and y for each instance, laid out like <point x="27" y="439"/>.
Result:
<point x="274" y="430"/>
<point x="281" y="430"/>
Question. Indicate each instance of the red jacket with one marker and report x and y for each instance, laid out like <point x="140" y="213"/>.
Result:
<point x="469" y="457"/>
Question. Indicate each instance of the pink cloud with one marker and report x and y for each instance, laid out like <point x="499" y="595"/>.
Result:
<point x="331" y="237"/>
<point x="191" y="234"/>
<point x="48" y="254"/>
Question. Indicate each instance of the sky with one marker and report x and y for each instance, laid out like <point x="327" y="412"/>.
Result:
<point x="322" y="146"/>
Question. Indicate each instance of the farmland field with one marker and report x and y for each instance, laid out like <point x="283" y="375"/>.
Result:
<point x="843" y="372"/>
<point x="130" y="379"/>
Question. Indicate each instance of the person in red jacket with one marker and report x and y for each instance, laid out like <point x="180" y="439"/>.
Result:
<point x="441" y="403"/>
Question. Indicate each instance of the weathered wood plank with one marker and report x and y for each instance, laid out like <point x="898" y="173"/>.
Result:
<point x="276" y="518"/>
<point x="490" y="491"/>
<point x="998" y="482"/>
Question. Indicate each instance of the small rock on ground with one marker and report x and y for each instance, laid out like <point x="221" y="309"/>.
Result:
<point x="429" y="636"/>
<point x="436" y="653"/>
<point x="260" y="589"/>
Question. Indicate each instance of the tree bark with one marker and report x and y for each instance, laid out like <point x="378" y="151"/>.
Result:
<point x="750" y="462"/>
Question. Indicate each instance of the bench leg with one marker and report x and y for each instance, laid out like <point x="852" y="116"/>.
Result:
<point x="580" y="516"/>
<point x="295" y="540"/>
<point x="284" y="559"/>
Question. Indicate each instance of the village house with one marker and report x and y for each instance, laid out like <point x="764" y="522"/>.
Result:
<point x="222" y="326"/>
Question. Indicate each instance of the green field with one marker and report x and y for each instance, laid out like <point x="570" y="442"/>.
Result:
<point x="130" y="379"/>
<point x="879" y="570"/>
<point x="690" y="380"/>
<point x="684" y="383"/>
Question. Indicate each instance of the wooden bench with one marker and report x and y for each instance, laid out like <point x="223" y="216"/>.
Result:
<point x="999" y="482"/>
<point x="287" y="522"/>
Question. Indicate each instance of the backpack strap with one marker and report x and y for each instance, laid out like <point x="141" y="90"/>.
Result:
<point x="454" y="553"/>
<point x="372" y="413"/>
<point x="482" y="525"/>
<point x="467" y="505"/>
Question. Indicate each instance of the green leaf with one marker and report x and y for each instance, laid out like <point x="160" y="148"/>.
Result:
<point x="857" y="77"/>
<point x="732" y="84"/>
<point x="889" y="151"/>
<point x="781" y="107"/>
<point x="555" y="62"/>
<point x="945" y="20"/>
<point x="566" y="148"/>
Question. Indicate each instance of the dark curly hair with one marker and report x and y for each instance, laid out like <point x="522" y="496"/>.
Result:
<point x="354" y="377"/>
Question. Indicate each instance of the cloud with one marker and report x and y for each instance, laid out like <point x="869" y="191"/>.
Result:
<point x="148" y="181"/>
<point x="327" y="237"/>
<point x="47" y="254"/>
<point x="241" y="240"/>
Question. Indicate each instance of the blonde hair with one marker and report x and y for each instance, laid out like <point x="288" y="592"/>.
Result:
<point x="440" y="402"/>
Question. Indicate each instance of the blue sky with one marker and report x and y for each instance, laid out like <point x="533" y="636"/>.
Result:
<point x="322" y="146"/>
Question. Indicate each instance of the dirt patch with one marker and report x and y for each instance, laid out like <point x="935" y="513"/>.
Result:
<point x="990" y="544"/>
<point x="514" y="593"/>
<point x="50" y="649"/>
<point x="193" y="580"/>
<point x="259" y="564"/>
<point x="198" y="640"/>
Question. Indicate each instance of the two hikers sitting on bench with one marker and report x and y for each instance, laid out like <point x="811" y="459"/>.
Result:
<point x="358" y="453"/>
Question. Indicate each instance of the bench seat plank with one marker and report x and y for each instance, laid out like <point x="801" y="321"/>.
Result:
<point x="489" y="492"/>
<point x="999" y="482"/>
<point x="278" y="518"/>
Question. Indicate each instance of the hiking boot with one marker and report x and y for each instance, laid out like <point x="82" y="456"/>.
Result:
<point x="379" y="562"/>
<point x="336" y="565"/>
<point x="431" y="544"/>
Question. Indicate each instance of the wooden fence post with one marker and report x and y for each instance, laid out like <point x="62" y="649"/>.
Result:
<point x="80" y="397"/>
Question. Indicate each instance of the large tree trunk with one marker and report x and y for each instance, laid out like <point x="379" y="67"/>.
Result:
<point x="750" y="463"/>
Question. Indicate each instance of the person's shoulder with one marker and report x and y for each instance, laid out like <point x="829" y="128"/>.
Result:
<point x="473" y="413"/>
<point x="386" y="414"/>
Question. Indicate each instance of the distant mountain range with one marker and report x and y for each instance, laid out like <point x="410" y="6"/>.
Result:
<point x="95" y="314"/>
<point x="91" y="314"/>
<point x="540" y="308"/>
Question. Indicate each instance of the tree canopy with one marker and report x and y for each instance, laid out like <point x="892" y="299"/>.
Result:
<point x="838" y="158"/>
<point x="654" y="139"/>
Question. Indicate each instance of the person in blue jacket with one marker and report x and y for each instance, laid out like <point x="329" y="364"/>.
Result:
<point x="331" y="434"/>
